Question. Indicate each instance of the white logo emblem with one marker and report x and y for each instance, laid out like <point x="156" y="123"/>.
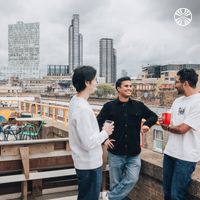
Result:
<point x="183" y="16"/>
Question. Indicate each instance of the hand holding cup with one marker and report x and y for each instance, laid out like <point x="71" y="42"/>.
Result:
<point x="108" y="126"/>
<point x="166" y="118"/>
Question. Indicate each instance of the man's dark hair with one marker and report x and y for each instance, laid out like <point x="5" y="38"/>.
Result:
<point x="188" y="75"/>
<point x="120" y="80"/>
<point x="81" y="75"/>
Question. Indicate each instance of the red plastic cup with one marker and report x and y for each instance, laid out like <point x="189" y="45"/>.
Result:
<point x="166" y="117"/>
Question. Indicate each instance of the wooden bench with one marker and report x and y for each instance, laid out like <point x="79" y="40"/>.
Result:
<point x="37" y="175"/>
<point x="34" y="160"/>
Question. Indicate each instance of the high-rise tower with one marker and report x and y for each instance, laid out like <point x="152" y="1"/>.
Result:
<point x="75" y="44"/>
<point x="107" y="60"/>
<point x="24" y="50"/>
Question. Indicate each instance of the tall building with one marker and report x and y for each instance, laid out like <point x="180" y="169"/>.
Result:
<point x="58" y="70"/>
<point x="3" y="73"/>
<point x="108" y="60"/>
<point x="24" y="50"/>
<point x="75" y="44"/>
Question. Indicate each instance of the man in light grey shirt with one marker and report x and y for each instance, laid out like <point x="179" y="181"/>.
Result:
<point x="85" y="137"/>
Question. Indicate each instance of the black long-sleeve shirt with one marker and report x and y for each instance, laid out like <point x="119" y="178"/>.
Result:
<point x="127" y="119"/>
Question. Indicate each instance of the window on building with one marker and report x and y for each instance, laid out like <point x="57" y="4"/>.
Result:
<point x="158" y="140"/>
<point x="60" y="113"/>
<point x="172" y="78"/>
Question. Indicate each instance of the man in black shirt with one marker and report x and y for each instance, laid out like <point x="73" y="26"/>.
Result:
<point x="124" y="144"/>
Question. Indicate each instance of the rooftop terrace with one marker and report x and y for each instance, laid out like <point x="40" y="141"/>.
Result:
<point x="43" y="168"/>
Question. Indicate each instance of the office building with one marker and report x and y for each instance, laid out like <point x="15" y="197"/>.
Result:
<point x="3" y="73"/>
<point x="58" y="70"/>
<point x="24" y="50"/>
<point x="166" y="71"/>
<point x="108" y="60"/>
<point x="75" y="44"/>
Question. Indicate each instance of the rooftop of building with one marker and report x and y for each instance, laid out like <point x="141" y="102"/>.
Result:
<point x="54" y="146"/>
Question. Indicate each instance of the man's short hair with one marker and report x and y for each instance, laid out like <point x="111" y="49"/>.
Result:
<point x="120" y="80"/>
<point x="188" y="75"/>
<point x="81" y="75"/>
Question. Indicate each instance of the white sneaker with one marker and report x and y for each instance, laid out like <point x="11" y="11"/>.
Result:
<point x="104" y="195"/>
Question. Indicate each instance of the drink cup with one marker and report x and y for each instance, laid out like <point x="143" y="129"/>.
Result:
<point x="166" y="117"/>
<point x="107" y="125"/>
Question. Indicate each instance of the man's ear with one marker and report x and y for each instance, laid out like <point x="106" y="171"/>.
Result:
<point x="87" y="83"/>
<point x="186" y="83"/>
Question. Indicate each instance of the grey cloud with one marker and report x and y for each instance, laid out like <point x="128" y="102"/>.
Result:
<point x="144" y="31"/>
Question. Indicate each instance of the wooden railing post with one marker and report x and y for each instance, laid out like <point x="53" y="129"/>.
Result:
<point x="43" y="110"/>
<point x="54" y="113"/>
<point x="65" y="117"/>
<point x="24" y="106"/>
<point x="36" y="109"/>
<point x="24" y="152"/>
<point x="20" y="106"/>
<point x="30" y="107"/>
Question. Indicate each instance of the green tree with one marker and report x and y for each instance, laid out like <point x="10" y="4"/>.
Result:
<point x="104" y="90"/>
<point x="134" y="91"/>
<point x="159" y="82"/>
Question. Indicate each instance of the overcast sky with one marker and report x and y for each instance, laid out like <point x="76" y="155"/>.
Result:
<point x="144" y="31"/>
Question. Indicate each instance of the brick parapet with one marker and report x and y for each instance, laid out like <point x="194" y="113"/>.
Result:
<point x="149" y="186"/>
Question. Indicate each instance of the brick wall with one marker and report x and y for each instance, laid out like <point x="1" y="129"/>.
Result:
<point x="147" y="189"/>
<point x="149" y="186"/>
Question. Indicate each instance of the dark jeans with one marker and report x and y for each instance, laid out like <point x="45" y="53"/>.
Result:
<point x="89" y="183"/>
<point x="176" y="177"/>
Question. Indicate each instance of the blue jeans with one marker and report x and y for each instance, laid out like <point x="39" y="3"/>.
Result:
<point x="124" y="174"/>
<point x="176" y="177"/>
<point x="89" y="183"/>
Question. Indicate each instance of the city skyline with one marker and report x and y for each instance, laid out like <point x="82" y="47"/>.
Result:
<point x="144" y="32"/>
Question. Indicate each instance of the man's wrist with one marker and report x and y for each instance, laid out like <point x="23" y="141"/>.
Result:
<point x="168" y="128"/>
<point x="105" y="141"/>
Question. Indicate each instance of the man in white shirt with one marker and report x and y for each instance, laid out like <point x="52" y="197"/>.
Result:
<point x="85" y="138"/>
<point x="182" y="151"/>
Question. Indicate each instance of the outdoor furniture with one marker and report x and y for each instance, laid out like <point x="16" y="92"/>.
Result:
<point x="29" y="131"/>
<point x="26" y="115"/>
<point x="10" y="131"/>
<point x="32" y="161"/>
<point x="1" y="133"/>
<point x="31" y="127"/>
